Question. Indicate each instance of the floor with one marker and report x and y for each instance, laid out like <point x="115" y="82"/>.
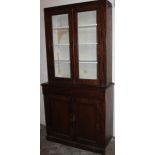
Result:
<point x="52" y="148"/>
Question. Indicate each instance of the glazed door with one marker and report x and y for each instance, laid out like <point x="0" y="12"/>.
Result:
<point x="87" y="44"/>
<point x="73" y="44"/>
<point x="60" y="45"/>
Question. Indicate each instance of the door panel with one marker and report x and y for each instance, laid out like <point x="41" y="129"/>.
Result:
<point x="59" y="112"/>
<point x="86" y="120"/>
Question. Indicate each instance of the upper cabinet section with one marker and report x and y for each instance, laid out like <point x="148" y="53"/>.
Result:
<point x="77" y="41"/>
<point x="61" y="45"/>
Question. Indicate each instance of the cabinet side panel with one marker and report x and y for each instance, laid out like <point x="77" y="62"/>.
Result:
<point x="109" y="45"/>
<point x="109" y="100"/>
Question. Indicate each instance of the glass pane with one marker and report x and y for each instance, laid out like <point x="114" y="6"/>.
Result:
<point x="60" y="21"/>
<point x="87" y="35"/>
<point x="61" y="36"/>
<point x="87" y="18"/>
<point x="61" y="45"/>
<point x="61" y="52"/>
<point x="87" y="40"/>
<point x="88" y="70"/>
<point x="62" y="69"/>
<point x="83" y="52"/>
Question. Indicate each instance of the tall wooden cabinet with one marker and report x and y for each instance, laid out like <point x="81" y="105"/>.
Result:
<point x="79" y="94"/>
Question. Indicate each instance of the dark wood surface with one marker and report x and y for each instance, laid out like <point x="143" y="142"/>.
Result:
<point x="59" y="115"/>
<point x="79" y="115"/>
<point x="109" y="45"/>
<point x="80" y="112"/>
<point x="86" y="115"/>
<point x="109" y="109"/>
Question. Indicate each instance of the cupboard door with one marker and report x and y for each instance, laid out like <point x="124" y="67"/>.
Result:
<point x="86" y="120"/>
<point x="59" y="113"/>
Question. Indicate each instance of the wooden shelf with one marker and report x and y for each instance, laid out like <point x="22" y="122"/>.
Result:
<point x="88" y="43"/>
<point x="63" y="61"/>
<point x="87" y="26"/>
<point x="80" y="26"/>
<point x="61" y="44"/>
<point x="85" y="61"/>
<point x="65" y="27"/>
<point x="78" y="44"/>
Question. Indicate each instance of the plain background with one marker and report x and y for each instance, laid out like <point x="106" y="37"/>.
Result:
<point x="134" y="77"/>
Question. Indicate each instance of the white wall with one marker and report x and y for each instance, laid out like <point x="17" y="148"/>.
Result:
<point x="43" y="78"/>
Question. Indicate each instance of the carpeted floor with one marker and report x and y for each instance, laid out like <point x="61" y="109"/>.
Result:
<point x="52" y="148"/>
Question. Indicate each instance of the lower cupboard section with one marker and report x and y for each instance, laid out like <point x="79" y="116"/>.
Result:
<point x="77" y="121"/>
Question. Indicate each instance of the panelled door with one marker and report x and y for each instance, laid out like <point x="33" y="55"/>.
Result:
<point x="59" y="112"/>
<point x="87" y="120"/>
